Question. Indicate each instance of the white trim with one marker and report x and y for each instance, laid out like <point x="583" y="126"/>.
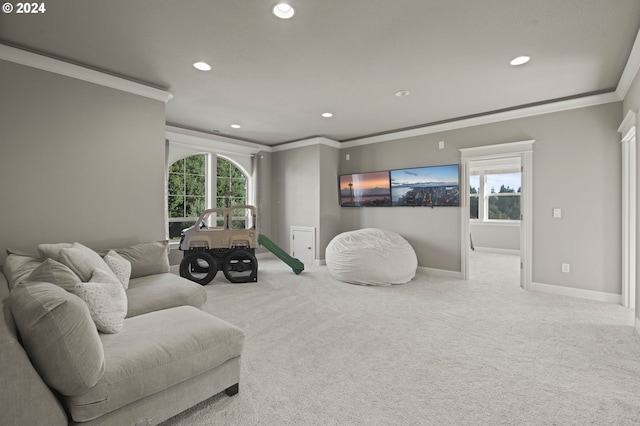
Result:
<point x="211" y="143"/>
<point x="307" y="142"/>
<point x="629" y="184"/>
<point x="497" y="250"/>
<point x="630" y="69"/>
<point x="628" y="125"/>
<point x="510" y="149"/>
<point x="445" y="273"/>
<point x="320" y="262"/>
<point x="494" y="222"/>
<point x="67" y="69"/>
<point x="526" y="224"/>
<point x="525" y="150"/>
<point x="552" y="107"/>
<point x="577" y="292"/>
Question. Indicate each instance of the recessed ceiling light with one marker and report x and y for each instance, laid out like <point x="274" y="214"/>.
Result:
<point x="235" y="126"/>
<point x="520" y="60"/>
<point x="327" y="115"/>
<point x="283" y="10"/>
<point x="402" y="93"/>
<point x="202" y="66"/>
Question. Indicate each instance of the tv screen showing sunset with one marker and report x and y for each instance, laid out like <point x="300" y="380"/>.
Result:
<point x="365" y="190"/>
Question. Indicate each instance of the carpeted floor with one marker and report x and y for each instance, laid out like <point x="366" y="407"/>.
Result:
<point x="435" y="351"/>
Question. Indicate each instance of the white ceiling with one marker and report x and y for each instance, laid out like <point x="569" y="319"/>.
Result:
<point x="276" y="77"/>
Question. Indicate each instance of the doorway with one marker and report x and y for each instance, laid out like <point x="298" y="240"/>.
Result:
<point x="495" y="211"/>
<point x="495" y="187"/>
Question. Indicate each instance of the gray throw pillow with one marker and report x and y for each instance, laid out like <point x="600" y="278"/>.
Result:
<point x="56" y="273"/>
<point x="120" y="266"/>
<point x="17" y="268"/>
<point x="59" y="336"/>
<point x="147" y="258"/>
<point x="83" y="261"/>
<point x="52" y="251"/>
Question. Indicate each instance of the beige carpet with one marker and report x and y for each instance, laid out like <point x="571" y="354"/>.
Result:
<point x="434" y="351"/>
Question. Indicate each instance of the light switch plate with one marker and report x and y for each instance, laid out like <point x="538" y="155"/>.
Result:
<point x="557" y="213"/>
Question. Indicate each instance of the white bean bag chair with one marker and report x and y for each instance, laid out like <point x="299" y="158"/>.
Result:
<point x="371" y="257"/>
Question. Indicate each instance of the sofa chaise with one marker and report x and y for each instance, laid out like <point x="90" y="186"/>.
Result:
<point x="163" y="357"/>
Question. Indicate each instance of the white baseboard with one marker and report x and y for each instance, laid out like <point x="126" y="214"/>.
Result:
<point x="577" y="292"/>
<point x="440" y="272"/>
<point x="637" y="326"/>
<point x="497" y="250"/>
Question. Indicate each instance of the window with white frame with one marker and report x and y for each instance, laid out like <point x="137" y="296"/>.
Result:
<point x="495" y="195"/>
<point x="189" y="180"/>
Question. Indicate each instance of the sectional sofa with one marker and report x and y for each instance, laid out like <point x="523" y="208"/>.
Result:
<point x="69" y="355"/>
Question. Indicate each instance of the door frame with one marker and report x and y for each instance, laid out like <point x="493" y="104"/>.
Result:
<point x="627" y="131"/>
<point x="524" y="149"/>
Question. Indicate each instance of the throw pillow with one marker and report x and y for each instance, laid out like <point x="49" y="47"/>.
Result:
<point x="17" y="268"/>
<point x="120" y="266"/>
<point x="52" y="251"/>
<point x="147" y="258"/>
<point x="106" y="300"/>
<point x="59" y="337"/>
<point x="83" y="261"/>
<point x="56" y="273"/>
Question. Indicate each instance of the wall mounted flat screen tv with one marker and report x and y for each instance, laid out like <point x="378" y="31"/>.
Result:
<point x="434" y="186"/>
<point x="365" y="189"/>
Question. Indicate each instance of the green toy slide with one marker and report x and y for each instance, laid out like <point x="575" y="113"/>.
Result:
<point x="295" y="264"/>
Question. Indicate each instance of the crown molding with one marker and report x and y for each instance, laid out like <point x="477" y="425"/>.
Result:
<point x="552" y="107"/>
<point x="630" y="70"/>
<point x="307" y="142"/>
<point x="34" y="60"/>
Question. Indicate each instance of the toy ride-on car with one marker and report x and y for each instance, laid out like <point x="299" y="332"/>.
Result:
<point x="221" y="239"/>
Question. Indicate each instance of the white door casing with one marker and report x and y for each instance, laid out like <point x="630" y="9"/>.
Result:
<point x="525" y="150"/>
<point x="629" y="187"/>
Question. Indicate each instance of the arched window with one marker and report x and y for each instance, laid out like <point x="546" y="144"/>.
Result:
<point x="190" y="190"/>
<point x="231" y="184"/>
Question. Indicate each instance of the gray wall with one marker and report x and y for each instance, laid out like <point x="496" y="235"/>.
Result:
<point x="262" y="179"/>
<point x="295" y="192"/>
<point x="576" y="167"/>
<point x="329" y="200"/>
<point x="496" y="236"/>
<point x="632" y="103"/>
<point x="305" y="193"/>
<point x="78" y="162"/>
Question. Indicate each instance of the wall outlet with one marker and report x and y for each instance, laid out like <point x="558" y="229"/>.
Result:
<point x="557" y="213"/>
<point x="441" y="145"/>
<point x="566" y="268"/>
